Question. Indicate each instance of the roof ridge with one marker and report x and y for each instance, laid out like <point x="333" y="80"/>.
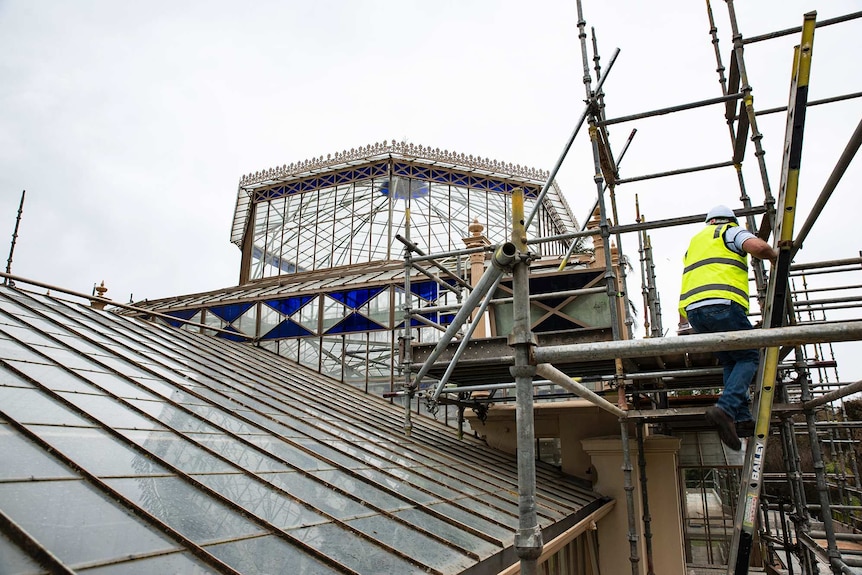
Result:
<point x="403" y="148"/>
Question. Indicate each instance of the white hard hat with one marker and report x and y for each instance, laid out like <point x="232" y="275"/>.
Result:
<point x="722" y="212"/>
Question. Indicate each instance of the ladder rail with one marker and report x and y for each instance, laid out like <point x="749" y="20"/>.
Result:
<point x="775" y="311"/>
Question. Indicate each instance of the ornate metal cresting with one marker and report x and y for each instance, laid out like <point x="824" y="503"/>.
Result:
<point x="393" y="147"/>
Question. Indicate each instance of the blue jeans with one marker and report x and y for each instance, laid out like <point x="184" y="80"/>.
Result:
<point x="740" y="365"/>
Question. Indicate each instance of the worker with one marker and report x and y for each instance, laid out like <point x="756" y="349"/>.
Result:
<point x="714" y="298"/>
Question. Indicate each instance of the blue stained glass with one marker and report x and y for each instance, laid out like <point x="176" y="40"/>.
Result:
<point x="355" y="298"/>
<point x="459" y="180"/>
<point x="230" y="312"/>
<point x="438" y="175"/>
<point x="183" y="314"/>
<point x="291" y="305"/>
<point x="405" y="189"/>
<point x="355" y="322"/>
<point x="446" y="318"/>
<point x="238" y="337"/>
<point x="286" y="328"/>
<point x="426" y="290"/>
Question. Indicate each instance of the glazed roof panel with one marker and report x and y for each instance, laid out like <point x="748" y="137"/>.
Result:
<point x="208" y="452"/>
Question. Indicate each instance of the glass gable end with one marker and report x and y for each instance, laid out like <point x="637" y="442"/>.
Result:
<point x="351" y="216"/>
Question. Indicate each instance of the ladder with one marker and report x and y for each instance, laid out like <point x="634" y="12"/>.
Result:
<point x="775" y="310"/>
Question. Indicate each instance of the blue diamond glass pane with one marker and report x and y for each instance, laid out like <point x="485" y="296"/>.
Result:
<point x="286" y="329"/>
<point x="183" y="314"/>
<point x="426" y="290"/>
<point x="355" y="322"/>
<point x="230" y="312"/>
<point x="238" y="337"/>
<point x="446" y="318"/>
<point x="355" y="298"/>
<point x="290" y="305"/>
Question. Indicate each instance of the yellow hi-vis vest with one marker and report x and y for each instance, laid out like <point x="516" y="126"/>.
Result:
<point x="712" y="270"/>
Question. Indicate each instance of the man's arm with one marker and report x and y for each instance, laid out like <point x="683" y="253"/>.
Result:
<point x="760" y="249"/>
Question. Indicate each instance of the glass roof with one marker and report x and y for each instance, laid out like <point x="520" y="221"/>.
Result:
<point x="129" y="447"/>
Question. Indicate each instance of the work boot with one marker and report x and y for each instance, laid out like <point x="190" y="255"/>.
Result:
<point x="745" y="428"/>
<point x="726" y="429"/>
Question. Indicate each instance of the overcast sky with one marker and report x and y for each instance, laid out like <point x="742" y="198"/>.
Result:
<point x="130" y="123"/>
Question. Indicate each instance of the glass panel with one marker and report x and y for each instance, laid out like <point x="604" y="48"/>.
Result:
<point x="353" y="551"/>
<point x="473" y="519"/>
<point x="193" y="513"/>
<point x="378" y="308"/>
<point x="109" y="411"/>
<point x="331" y="353"/>
<point x="196" y="318"/>
<point x="22" y="459"/>
<point x="398" y="486"/>
<point x="264" y="501"/>
<point x="30" y="406"/>
<point x="222" y="419"/>
<point x="355" y="356"/>
<point x="417" y="546"/>
<point x="319" y="494"/>
<point x="178" y="452"/>
<point x="308" y="352"/>
<point x="284" y="450"/>
<point x="289" y="348"/>
<point x="333" y="312"/>
<point x="66" y="357"/>
<point x="174" y="417"/>
<point x="329" y="453"/>
<point x="213" y="320"/>
<point x="14" y="561"/>
<point x="97" y="452"/>
<point x="247" y="322"/>
<point x="368" y="491"/>
<point x="253" y="460"/>
<point x="77" y="523"/>
<point x="116" y="385"/>
<point x="463" y="539"/>
<point x="269" y="555"/>
<point x="52" y="377"/>
<point x="175" y="563"/>
<point x="269" y="318"/>
<point x="12" y="350"/>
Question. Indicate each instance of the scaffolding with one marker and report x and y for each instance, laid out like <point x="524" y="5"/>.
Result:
<point x="809" y="407"/>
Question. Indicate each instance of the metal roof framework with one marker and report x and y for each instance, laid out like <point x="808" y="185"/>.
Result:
<point x="347" y="209"/>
